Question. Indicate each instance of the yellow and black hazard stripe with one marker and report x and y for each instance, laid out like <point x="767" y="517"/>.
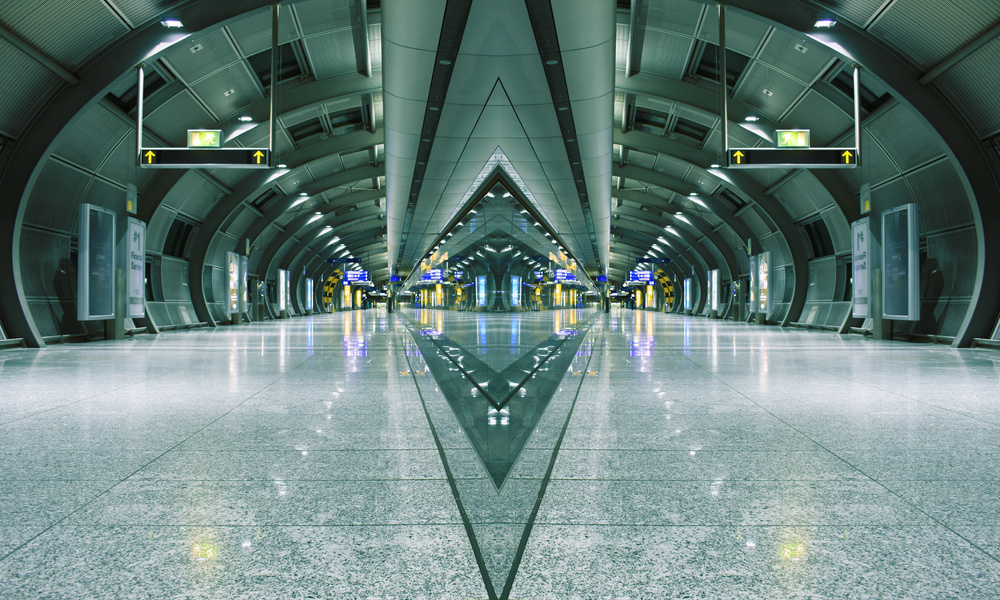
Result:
<point x="668" y="286"/>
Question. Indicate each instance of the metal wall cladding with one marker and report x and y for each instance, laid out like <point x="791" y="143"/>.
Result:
<point x="822" y="279"/>
<point x="316" y="16"/>
<point x="219" y="246"/>
<point x="201" y="201"/>
<point x="41" y="253"/>
<point x="890" y="195"/>
<point x="783" y="89"/>
<point x="219" y="312"/>
<point x="174" y="276"/>
<point x="954" y="253"/>
<point x="46" y="314"/>
<point x="220" y="283"/>
<point x="68" y="31"/>
<point x="906" y="138"/>
<point x="928" y="31"/>
<point x="777" y="284"/>
<point x="941" y="197"/>
<point x="55" y="196"/>
<point x="34" y="84"/>
<point x="103" y="194"/>
<point x="253" y="33"/>
<point x="332" y="53"/>
<point x="858" y="12"/>
<point x="242" y="222"/>
<point x="839" y="228"/>
<point x="823" y="118"/>
<point x="876" y="166"/>
<point x="665" y="54"/>
<point x="201" y="55"/>
<point x="796" y="201"/>
<point x="92" y="137"/>
<point x="756" y="224"/>
<point x="139" y="12"/>
<point x="228" y="91"/>
<point x="677" y="16"/>
<point x="172" y="120"/>
<point x="157" y="229"/>
<point x="188" y="184"/>
<point x="743" y="33"/>
<point x="780" y="51"/>
<point x="121" y="161"/>
<point x="974" y="85"/>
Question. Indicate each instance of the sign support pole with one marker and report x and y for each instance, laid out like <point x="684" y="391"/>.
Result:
<point x="857" y="113"/>
<point x="274" y="83"/>
<point x="723" y="85"/>
<point x="138" y="124"/>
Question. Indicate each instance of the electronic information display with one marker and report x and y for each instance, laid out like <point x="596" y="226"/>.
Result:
<point x="481" y="290"/>
<point x="564" y="275"/>
<point x="358" y="276"/>
<point x="901" y="264"/>
<point x="515" y="290"/>
<point x="96" y="264"/>
<point x="640" y="277"/>
<point x="432" y="275"/>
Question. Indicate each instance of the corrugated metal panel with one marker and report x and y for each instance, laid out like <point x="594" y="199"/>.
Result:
<point x="332" y="53"/>
<point x="817" y="192"/>
<point x="41" y="253"/>
<point x="755" y="223"/>
<point x="201" y="201"/>
<point x="243" y="222"/>
<point x="174" y="272"/>
<point x="34" y="84"/>
<point x="93" y="136"/>
<point x="172" y="120"/>
<point x="228" y="91"/>
<point x="253" y="33"/>
<point x="974" y="85"/>
<point x="839" y="228"/>
<point x="806" y="67"/>
<point x="105" y="195"/>
<point x="855" y="11"/>
<point x="138" y="12"/>
<point x="68" y="31"/>
<point x="955" y="253"/>
<point x="121" y="161"/>
<point x="784" y="90"/>
<point x="823" y="118"/>
<point x="674" y="16"/>
<point x="796" y="201"/>
<point x="928" y="31"/>
<point x="951" y="318"/>
<point x="665" y="54"/>
<point x="158" y="227"/>
<point x="215" y="53"/>
<point x="941" y="196"/>
<point x="743" y="33"/>
<point x="890" y="195"/>
<point x="875" y="161"/>
<point x="317" y="16"/>
<point x="184" y="187"/>
<point x="46" y="314"/>
<point x="621" y="45"/>
<point x="905" y="137"/>
<point x="55" y="197"/>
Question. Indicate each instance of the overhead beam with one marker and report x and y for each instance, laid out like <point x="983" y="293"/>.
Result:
<point x="636" y="37"/>
<point x="359" y="31"/>
<point x="960" y="55"/>
<point x="38" y="56"/>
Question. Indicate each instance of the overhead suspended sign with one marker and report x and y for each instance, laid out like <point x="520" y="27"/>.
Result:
<point x="797" y="158"/>
<point x="202" y="158"/>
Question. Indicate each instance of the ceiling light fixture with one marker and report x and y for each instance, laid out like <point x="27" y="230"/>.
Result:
<point x="825" y="23"/>
<point x="246" y="118"/>
<point x="171" y="23"/>
<point x="751" y="118"/>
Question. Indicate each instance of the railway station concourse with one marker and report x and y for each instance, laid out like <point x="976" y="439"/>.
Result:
<point x="499" y="299"/>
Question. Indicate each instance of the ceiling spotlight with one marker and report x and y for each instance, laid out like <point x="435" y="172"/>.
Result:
<point x="282" y="166"/>
<point x="825" y="23"/>
<point x="246" y="118"/>
<point x="303" y="193"/>
<point x="171" y="23"/>
<point x="751" y="118"/>
<point x="714" y="166"/>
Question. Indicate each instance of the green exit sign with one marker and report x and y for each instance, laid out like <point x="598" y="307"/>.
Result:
<point x="204" y="138"/>
<point x="792" y="138"/>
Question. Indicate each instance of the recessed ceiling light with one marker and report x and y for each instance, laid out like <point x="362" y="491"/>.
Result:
<point x="713" y="166"/>
<point x="552" y="62"/>
<point x="246" y="118"/>
<point x="768" y="93"/>
<point x="434" y="108"/>
<point x="444" y="62"/>
<point x="170" y="23"/>
<point x="282" y="166"/>
<point x="303" y="193"/>
<point x="825" y="23"/>
<point x="563" y="108"/>
<point x="751" y="118"/>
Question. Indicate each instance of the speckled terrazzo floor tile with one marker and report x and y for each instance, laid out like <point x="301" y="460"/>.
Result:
<point x="733" y="465"/>
<point x="336" y="436"/>
<point x="953" y="503"/>
<point x="13" y="536"/>
<point x="955" y="463"/>
<point x="315" y="465"/>
<point x="659" y="435"/>
<point x="146" y="502"/>
<point x="70" y="465"/>
<point x="703" y="563"/>
<point x="725" y="502"/>
<point x="331" y="563"/>
<point x="44" y="503"/>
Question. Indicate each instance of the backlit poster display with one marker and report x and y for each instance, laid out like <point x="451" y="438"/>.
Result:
<point x="288" y="289"/>
<point x="282" y="289"/>
<point x="901" y="264"/>
<point x="860" y="234"/>
<point x="96" y="265"/>
<point x="650" y="297"/>
<point x="687" y="294"/>
<point x="763" y="295"/>
<point x="310" y="290"/>
<point x="136" y="267"/>
<point x="515" y="290"/>
<point x="347" y="297"/>
<point x="233" y="261"/>
<point x="753" y="284"/>
<point x="244" y="273"/>
<point x="481" y="290"/>
<point x="713" y="284"/>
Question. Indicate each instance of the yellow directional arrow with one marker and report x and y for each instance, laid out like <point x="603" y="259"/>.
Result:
<point x="739" y="157"/>
<point x="258" y="155"/>
<point x="847" y="157"/>
<point x="149" y="156"/>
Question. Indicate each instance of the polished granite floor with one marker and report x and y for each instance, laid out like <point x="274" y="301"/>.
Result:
<point x="678" y="458"/>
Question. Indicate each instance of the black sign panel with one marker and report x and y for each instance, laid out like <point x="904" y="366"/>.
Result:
<point x="200" y="158"/>
<point x="800" y="158"/>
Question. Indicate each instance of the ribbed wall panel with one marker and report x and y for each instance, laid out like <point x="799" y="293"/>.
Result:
<point x="974" y="85"/>
<point x="822" y="279"/>
<point x="242" y="222"/>
<point x="806" y="67"/>
<point x="178" y="114"/>
<point x="216" y="52"/>
<point x="665" y="54"/>
<point x="928" y="31"/>
<point x="253" y="33"/>
<point x="46" y="313"/>
<point x="839" y="228"/>
<point x="121" y="162"/>
<point x="178" y="194"/>
<point x="743" y="33"/>
<point x="34" y="84"/>
<point x="55" y="197"/>
<point x="176" y="286"/>
<point x="955" y="254"/>
<point x="138" y="12"/>
<point x="875" y="162"/>
<point x="217" y="249"/>
<point x="857" y="12"/>
<point x="157" y="229"/>
<point x="676" y="16"/>
<point x="941" y="197"/>
<point x="67" y="31"/>
<point x="755" y="223"/>
<point x="201" y="200"/>
<point x="316" y="16"/>
<point x="822" y="131"/>
<point x="905" y="137"/>
<point x="777" y="285"/>
<point x="796" y="201"/>
<point x="890" y="195"/>
<point x="332" y="53"/>
<point x="94" y="135"/>
<point x="105" y="195"/>
<point x="41" y="253"/>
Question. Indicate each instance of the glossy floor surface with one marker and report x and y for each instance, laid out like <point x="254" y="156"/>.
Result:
<point x="678" y="458"/>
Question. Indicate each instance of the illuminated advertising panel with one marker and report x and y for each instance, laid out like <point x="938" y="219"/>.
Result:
<point x="861" y="236"/>
<point x="515" y="290"/>
<point x="481" y="290"/>
<point x="901" y="264"/>
<point x="96" y="270"/>
<point x="432" y="275"/>
<point x="650" y="297"/>
<point x="282" y="289"/>
<point x="687" y="294"/>
<point x="763" y="292"/>
<point x="233" y="263"/>
<point x="310" y="290"/>
<point x="713" y="278"/>
<point x="753" y="284"/>
<point x="136" y="267"/>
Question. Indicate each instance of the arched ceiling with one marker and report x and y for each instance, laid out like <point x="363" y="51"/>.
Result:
<point x="631" y="155"/>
